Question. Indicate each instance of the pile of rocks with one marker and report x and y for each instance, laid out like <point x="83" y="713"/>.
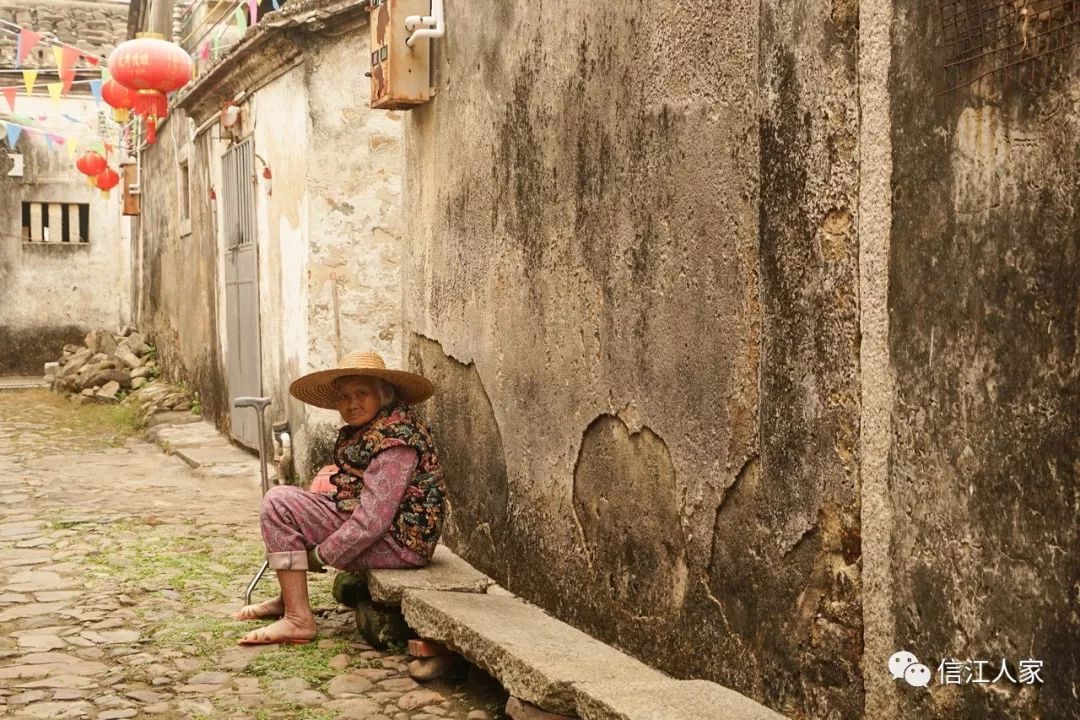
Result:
<point x="103" y="366"/>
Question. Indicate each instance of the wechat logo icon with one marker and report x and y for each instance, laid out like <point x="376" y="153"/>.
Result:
<point x="905" y="666"/>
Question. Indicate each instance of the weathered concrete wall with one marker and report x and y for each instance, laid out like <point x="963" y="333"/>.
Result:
<point x="983" y="299"/>
<point x="179" y="299"/>
<point x="595" y="286"/>
<point x="802" y="554"/>
<point x="328" y="229"/>
<point x="354" y="239"/>
<point x="53" y="293"/>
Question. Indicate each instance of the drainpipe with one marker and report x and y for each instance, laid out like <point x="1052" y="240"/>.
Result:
<point x="161" y="17"/>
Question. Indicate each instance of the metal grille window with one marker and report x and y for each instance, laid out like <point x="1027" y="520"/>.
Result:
<point x="239" y="194"/>
<point x="1013" y="37"/>
<point x="56" y="223"/>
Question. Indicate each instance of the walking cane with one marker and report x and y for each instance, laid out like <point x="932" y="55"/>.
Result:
<point x="260" y="409"/>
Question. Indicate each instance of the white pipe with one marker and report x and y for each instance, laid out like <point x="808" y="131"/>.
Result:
<point x="436" y="19"/>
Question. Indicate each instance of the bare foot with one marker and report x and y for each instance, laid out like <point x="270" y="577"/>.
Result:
<point x="273" y="608"/>
<point x="285" y="631"/>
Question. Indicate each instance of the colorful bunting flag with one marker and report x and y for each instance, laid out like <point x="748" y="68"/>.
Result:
<point x="241" y="21"/>
<point x="72" y="144"/>
<point x="13" y="132"/>
<point x="49" y="140"/>
<point x="106" y="76"/>
<point x="27" y="40"/>
<point x="204" y="51"/>
<point x="95" y="88"/>
<point x="29" y="76"/>
<point x="275" y="4"/>
<point x="92" y="59"/>
<point x="253" y="10"/>
<point x="9" y="95"/>
<point x="54" y="92"/>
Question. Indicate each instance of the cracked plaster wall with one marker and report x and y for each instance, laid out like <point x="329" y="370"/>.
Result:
<point x="329" y="214"/>
<point x="618" y="219"/>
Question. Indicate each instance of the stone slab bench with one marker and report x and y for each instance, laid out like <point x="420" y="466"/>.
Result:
<point x="446" y="571"/>
<point x="667" y="699"/>
<point x="554" y="666"/>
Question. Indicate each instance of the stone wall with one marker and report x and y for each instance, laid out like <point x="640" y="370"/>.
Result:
<point x="983" y="299"/>
<point x="94" y="26"/>
<point x="53" y="293"/>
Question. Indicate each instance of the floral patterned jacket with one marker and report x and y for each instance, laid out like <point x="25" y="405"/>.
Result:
<point x="419" y="517"/>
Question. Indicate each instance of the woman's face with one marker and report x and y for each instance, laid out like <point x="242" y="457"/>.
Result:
<point x="357" y="400"/>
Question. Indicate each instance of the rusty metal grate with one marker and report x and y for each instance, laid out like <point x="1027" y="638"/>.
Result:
<point x="1011" y="37"/>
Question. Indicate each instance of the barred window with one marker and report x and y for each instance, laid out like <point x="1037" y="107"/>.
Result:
<point x="56" y="223"/>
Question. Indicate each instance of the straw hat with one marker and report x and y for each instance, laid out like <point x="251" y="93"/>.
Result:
<point x="317" y="389"/>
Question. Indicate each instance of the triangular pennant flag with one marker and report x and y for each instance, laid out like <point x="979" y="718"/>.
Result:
<point x="275" y="4"/>
<point x="108" y="148"/>
<point x="54" y="92"/>
<point x="241" y="21"/>
<point x="204" y="51"/>
<point x="29" y="76"/>
<point x="66" y="62"/>
<point x="13" y="132"/>
<point x="57" y="139"/>
<point x="106" y="76"/>
<point x="92" y="59"/>
<point x="95" y="88"/>
<point x="9" y="95"/>
<point x="253" y="10"/>
<point x="72" y="144"/>
<point x="58" y="56"/>
<point x="49" y="140"/>
<point x="27" y="40"/>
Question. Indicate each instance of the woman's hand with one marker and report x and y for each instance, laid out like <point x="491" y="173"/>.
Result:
<point x="314" y="562"/>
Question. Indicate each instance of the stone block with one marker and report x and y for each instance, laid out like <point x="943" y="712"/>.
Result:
<point x="446" y="571"/>
<point x="350" y="590"/>
<point x="382" y="625"/>
<point x="518" y="710"/>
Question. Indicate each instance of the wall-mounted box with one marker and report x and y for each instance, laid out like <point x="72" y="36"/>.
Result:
<point x="400" y="75"/>
<point x="131" y="200"/>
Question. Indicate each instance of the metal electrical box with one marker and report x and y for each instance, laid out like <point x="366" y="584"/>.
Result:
<point x="400" y="75"/>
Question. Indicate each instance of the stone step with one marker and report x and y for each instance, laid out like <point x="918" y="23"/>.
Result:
<point x="558" y="668"/>
<point x="22" y="382"/>
<point x="446" y="571"/>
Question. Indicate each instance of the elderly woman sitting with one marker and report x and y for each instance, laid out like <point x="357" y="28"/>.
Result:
<point x="386" y="509"/>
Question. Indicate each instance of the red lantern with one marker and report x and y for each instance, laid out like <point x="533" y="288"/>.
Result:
<point x="119" y="98"/>
<point x="150" y="66"/>
<point x="107" y="180"/>
<point x="91" y="164"/>
<point x="149" y="62"/>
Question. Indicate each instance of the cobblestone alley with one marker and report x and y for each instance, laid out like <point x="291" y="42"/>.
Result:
<point x="118" y="566"/>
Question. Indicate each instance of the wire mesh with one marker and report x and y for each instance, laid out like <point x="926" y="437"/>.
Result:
<point x="1014" y="38"/>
